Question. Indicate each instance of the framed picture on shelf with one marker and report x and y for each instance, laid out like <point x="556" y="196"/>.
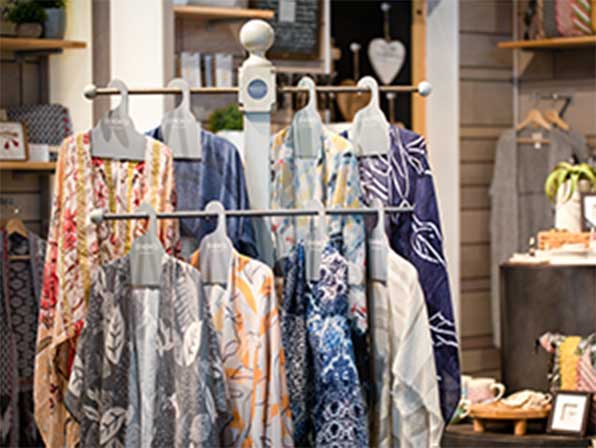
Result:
<point x="570" y="413"/>
<point x="13" y="141"/>
<point x="588" y="204"/>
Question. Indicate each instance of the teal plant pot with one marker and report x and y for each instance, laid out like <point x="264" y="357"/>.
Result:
<point x="55" y="25"/>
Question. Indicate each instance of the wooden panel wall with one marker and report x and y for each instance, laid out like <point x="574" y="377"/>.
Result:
<point x="486" y="109"/>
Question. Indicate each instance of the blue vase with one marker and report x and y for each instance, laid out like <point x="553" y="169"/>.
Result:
<point x="55" y="25"/>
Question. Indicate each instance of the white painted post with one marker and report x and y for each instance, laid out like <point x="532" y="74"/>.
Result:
<point x="257" y="94"/>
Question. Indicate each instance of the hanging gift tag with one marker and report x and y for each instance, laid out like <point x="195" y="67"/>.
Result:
<point x="386" y="56"/>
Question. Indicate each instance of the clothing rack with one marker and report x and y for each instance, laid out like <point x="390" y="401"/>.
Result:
<point x="98" y="216"/>
<point x="257" y="93"/>
<point x="423" y="88"/>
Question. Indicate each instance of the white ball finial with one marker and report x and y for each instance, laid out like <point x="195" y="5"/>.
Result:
<point x="256" y="36"/>
<point x="354" y="47"/>
<point x="96" y="216"/>
<point x="90" y="91"/>
<point x="425" y="88"/>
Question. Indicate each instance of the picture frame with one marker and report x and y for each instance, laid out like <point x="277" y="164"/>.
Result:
<point x="588" y="206"/>
<point x="570" y="413"/>
<point x="13" y="142"/>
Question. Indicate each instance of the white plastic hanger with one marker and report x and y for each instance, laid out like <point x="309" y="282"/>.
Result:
<point x="216" y="249"/>
<point x="307" y="126"/>
<point x="115" y="136"/>
<point x="370" y="129"/>
<point x="146" y="254"/>
<point x="180" y="128"/>
<point x="378" y="246"/>
<point x="313" y="246"/>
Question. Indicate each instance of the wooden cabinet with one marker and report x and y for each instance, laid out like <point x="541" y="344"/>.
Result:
<point x="537" y="299"/>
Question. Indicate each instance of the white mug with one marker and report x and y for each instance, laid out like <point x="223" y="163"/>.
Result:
<point x="483" y="390"/>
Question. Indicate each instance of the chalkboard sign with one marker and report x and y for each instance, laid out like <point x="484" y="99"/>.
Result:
<point x="297" y="27"/>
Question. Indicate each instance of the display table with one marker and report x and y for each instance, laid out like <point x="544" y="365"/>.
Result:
<point x="534" y="300"/>
<point x="500" y="435"/>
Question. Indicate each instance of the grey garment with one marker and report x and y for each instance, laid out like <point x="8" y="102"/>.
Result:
<point x="406" y="409"/>
<point x="519" y="206"/>
<point x="148" y="371"/>
<point x="20" y="286"/>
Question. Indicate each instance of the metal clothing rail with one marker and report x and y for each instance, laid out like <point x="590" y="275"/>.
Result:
<point x="424" y="88"/>
<point x="98" y="216"/>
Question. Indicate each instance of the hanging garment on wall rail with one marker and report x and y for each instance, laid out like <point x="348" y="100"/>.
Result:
<point x="406" y="410"/>
<point x="20" y="288"/>
<point x="403" y="177"/>
<point x="332" y="178"/>
<point x="148" y="370"/>
<point x="340" y="415"/>
<point x="519" y="206"/>
<point x="246" y="318"/>
<point x="217" y="176"/>
<point x="76" y="246"/>
<point x="299" y="358"/>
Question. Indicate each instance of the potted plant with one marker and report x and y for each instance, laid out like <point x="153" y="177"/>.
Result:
<point x="563" y="187"/>
<point x="54" y="26"/>
<point x="7" y="28"/>
<point x="228" y="123"/>
<point x="28" y="16"/>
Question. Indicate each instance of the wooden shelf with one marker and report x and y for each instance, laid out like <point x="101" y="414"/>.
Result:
<point x="217" y="13"/>
<point x="27" y="166"/>
<point x="27" y="44"/>
<point x="550" y="44"/>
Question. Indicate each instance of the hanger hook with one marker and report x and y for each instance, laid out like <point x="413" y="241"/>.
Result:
<point x="182" y="85"/>
<point x="217" y="208"/>
<point x="123" y="106"/>
<point x="373" y="86"/>
<point x="378" y="206"/>
<point x="307" y="81"/>
<point x="318" y="223"/>
<point x="151" y="215"/>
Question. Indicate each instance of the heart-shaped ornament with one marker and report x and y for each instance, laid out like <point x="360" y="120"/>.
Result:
<point x="350" y="103"/>
<point x="387" y="58"/>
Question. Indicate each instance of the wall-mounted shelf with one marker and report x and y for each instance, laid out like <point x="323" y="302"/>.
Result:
<point x="27" y="166"/>
<point x="216" y="13"/>
<point x="555" y="43"/>
<point x="28" y="44"/>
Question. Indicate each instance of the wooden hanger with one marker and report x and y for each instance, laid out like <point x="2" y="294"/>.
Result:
<point x="16" y="225"/>
<point x="534" y="118"/>
<point x="552" y="116"/>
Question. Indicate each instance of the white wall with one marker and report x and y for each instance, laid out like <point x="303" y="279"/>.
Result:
<point x="71" y="71"/>
<point x="443" y="128"/>
<point x="142" y="54"/>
